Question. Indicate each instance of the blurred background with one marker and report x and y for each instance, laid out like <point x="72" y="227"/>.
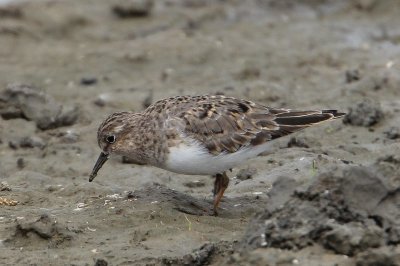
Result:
<point x="67" y="65"/>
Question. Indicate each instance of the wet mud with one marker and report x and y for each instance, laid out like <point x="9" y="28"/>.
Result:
<point x="325" y="196"/>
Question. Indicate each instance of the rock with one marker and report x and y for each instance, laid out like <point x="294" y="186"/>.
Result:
<point x="133" y="8"/>
<point x="365" y="113"/>
<point x="30" y="103"/>
<point x="348" y="210"/>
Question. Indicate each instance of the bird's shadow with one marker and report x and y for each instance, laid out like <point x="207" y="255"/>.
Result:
<point x="185" y="203"/>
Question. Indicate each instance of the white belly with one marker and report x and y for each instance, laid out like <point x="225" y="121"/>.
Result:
<point x="194" y="159"/>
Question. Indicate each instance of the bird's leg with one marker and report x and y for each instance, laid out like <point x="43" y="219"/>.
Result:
<point x="221" y="183"/>
<point x="217" y="183"/>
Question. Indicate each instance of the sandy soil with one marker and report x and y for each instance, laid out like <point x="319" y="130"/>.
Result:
<point x="66" y="65"/>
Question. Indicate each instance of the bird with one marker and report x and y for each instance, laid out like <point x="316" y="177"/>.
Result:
<point x="200" y="135"/>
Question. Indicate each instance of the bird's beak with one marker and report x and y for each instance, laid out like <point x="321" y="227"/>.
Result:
<point x="103" y="157"/>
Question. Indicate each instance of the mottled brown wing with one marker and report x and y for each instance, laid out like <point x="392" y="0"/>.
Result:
<point x="226" y="124"/>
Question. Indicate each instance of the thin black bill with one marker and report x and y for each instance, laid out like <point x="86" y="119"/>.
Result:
<point x="103" y="157"/>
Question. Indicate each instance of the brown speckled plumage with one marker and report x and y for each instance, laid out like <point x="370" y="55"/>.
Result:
<point x="219" y="126"/>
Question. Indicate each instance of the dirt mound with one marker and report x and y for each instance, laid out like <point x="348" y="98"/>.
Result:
<point x="31" y="103"/>
<point x="348" y="210"/>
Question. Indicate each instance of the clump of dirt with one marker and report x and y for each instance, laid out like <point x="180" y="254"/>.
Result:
<point x="347" y="210"/>
<point x="110" y="56"/>
<point x="41" y="231"/>
<point x="366" y="113"/>
<point x="31" y="103"/>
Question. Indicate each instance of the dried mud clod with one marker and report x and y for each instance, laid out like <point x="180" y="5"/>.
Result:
<point x="44" y="228"/>
<point x="365" y="113"/>
<point x="345" y="210"/>
<point x="32" y="104"/>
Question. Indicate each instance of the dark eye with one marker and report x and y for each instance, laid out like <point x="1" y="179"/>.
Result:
<point x="110" y="139"/>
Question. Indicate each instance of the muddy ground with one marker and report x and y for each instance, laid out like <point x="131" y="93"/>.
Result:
<point x="325" y="196"/>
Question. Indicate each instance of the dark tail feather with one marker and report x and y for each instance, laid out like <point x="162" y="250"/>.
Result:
<point x="293" y="121"/>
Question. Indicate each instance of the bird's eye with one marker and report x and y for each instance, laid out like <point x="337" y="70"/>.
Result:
<point x="110" y="139"/>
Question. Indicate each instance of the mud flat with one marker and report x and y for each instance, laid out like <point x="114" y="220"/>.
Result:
<point x="325" y="196"/>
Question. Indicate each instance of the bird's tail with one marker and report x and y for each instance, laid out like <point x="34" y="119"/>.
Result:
<point x="292" y="120"/>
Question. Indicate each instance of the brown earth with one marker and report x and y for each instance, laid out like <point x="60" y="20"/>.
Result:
<point x="325" y="196"/>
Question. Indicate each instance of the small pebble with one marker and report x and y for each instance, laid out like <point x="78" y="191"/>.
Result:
<point x="88" y="81"/>
<point x="133" y="8"/>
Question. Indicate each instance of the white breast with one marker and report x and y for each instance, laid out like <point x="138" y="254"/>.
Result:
<point x="191" y="158"/>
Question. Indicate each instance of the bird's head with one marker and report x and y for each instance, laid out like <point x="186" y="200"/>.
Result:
<point x="112" y="138"/>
